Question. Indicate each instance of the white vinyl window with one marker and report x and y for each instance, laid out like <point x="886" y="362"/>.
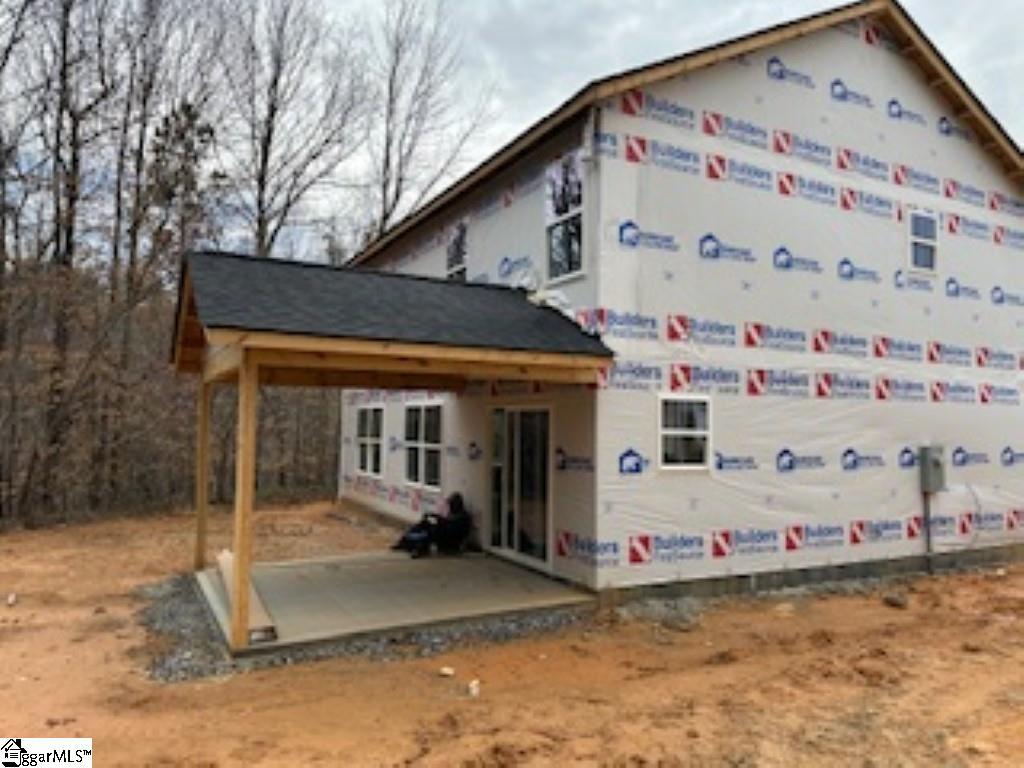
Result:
<point x="369" y="432"/>
<point x="423" y="445"/>
<point x="684" y="432"/>
<point x="924" y="242"/>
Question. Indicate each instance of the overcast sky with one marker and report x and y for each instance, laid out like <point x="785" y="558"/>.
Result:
<point x="534" y="54"/>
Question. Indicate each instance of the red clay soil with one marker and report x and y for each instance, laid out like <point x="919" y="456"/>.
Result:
<point x="811" y="681"/>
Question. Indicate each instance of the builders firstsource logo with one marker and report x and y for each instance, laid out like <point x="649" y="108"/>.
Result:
<point x="767" y="336"/>
<point x="992" y="357"/>
<point x="945" y="353"/>
<point x="637" y="103"/>
<point x="841" y="386"/>
<point x="872" y="531"/>
<point x="904" y="175"/>
<point x="998" y="394"/>
<point x="685" y="377"/>
<point x="960" y="225"/>
<point x="734" y="129"/>
<point x="744" y="541"/>
<point x="893" y="348"/>
<point x="662" y="154"/>
<point x="814" y="536"/>
<point x="585" y="549"/>
<point x="861" y="163"/>
<point x="765" y="382"/>
<point x="892" y="388"/>
<point x="869" y="203"/>
<point x="722" y="168"/>
<point x="622" y="325"/>
<point x="954" y="189"/>
<point x="626" y="374"/>
<point x="700" y="330"/>
<point x="826" y="341"/>
<point x="777" y="70"/>
<point x="797" y="145"/>
<point x="673" y="548"/>
<point x="958" y="392"/>
<point x="795" y="185"/>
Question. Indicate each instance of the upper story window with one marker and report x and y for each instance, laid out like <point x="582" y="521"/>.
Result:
<point x="564" y="213"/>
<point x="684" y="432"/>
<point x="924" y="244"/>
<point x="423" y="445"/>
<point x="455" y="256"/>
<point x="369" y="433"/>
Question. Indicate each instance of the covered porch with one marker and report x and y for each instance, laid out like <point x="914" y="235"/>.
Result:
<point x="339" y="597"/>
<point x="248" y="322"/>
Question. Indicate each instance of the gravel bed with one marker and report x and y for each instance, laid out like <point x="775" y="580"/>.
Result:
<point x="194" y="648"/>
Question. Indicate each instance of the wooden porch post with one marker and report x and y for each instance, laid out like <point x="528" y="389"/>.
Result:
<point x="245" y="482"/>
<point x="202" y="470"/>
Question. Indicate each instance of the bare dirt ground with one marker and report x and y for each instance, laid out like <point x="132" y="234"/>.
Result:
<point x="785" y="681"/>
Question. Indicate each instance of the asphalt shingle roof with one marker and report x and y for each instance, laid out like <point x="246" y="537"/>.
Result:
<point x="247" y="293"/>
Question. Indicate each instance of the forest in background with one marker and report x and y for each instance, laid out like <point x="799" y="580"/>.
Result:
<point x="134" y="131"/>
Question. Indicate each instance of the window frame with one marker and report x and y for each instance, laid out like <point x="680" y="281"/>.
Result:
<point x="422" y="446"/>
<point x="369" y="441"/>
<point x="560" y="220"/>
<point x="456" y="270"/>
<point x="913" y="240"/>
<point x="706" y="433"/>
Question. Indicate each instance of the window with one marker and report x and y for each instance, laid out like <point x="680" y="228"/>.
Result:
<point x="564" y="207"/>
<point x="924" y="228"/>
<point x="423" y="445"/>
<point x="455" y="262"/>
<point x="369" y="429"/>
<point x="685" y="432"/>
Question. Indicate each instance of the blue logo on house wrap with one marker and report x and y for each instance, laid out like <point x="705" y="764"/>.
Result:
<point x="1001" y="297"/>
<point x="957" y="290"/>
<point x="849" y="272"/>
<point x="854" y="461"/>
<point x="907" y="458"/>
<point x="628" y="374"/>
<point x="631" y="462"/>
<point x="787" y="461"/>
<point x="630" y="325"/>
<point x="671" y="112"/>
<point x="673" y="157"/>
<point x="606" y="144"/>
<point x="1009" y="457"/>
<point x="510" y="265"/>
<point x="950" y="129"/>
<point x="729" y="463"/>
<point x="962" y="457"/>
<point x="841" y="92"/>
<point x="632" y="236"/>
<point x="752" y="541"/>
<point x="897" y="111"/>
<point x="777" y="70"/>
<point x="908" y="281"/>
<point x="711" y="247"/>
<point x="785" y="261"/>
<point x="676" y="547"/>
<point x="750" y="175"/>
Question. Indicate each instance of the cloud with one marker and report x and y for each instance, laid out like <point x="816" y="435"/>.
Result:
<point x="534" y="54"/>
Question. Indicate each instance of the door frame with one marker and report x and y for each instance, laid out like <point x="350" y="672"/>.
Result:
<point x="546" y="565"/>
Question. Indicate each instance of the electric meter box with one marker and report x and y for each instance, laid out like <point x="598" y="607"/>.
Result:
<point x="933" y="468"/>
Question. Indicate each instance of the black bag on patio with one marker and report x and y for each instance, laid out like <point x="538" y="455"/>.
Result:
<point x="449" y="532"/>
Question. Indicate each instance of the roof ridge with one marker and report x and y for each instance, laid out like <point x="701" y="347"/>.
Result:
<point x="345" y="268"/>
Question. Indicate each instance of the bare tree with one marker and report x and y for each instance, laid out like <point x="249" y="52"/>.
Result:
<point x="296" y="97"/>
<point x="421" y="121"/>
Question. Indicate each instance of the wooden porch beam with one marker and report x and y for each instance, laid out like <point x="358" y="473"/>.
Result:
<point x="202" y="471"/>
<point x="245" y="485"/>
<point x="365" y="368"/>
<point x="221" y="362"/>
<point x="317" y="344"/>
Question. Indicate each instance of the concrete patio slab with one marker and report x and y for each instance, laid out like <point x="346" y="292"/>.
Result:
<point x="315" y="600"/>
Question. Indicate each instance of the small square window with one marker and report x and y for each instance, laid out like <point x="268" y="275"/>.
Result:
<point x="922" y="256"/>
<point x="685" y="432"/>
